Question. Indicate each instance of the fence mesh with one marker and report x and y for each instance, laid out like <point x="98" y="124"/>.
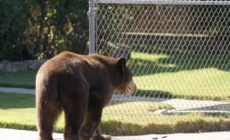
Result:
<point x="179" y="55"/>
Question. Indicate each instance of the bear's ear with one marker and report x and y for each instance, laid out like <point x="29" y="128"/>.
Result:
<point x="121" y="63"/>
<point x="105" y="53"/>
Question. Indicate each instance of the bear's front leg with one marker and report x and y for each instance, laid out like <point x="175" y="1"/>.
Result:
<point x="92" y="118"/>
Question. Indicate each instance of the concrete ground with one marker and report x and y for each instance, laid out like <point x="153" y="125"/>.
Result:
<point x="17" y="90"/>
<point x="178" y="104"/>
<point x="12" y="134"/>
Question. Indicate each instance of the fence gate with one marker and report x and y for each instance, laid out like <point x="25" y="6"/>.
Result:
<point x="179" y="52"/>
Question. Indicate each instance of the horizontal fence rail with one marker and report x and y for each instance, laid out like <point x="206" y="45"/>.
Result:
<point x="171" y="2"/>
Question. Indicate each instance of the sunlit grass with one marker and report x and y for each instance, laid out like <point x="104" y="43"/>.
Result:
<point x="194" y="77"/>
<point x="189" y="84"/>
<point x="134" y="112"/>
<point x="149" y="57"/>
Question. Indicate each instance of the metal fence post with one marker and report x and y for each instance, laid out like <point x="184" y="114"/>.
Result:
<point x="91" y="16"/>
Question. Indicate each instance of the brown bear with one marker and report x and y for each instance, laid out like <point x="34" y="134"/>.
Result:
<point x="81" y="86"/>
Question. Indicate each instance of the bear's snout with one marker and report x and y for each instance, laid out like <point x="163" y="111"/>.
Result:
<point x="131" y="87"/>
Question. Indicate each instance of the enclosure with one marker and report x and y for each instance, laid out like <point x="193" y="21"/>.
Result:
<point x="178" y="51"/>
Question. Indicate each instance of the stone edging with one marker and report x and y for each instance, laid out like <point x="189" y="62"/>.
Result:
<point x="7" y="66"/>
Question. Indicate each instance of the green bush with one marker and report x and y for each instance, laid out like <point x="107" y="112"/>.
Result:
<point x="13" y="23"/>
<point x="33" y="29"/>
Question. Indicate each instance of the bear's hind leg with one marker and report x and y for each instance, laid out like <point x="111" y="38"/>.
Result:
<point x="74" y="117"/>
<point x="47" y="114"/>
<point x="92" y="118"/>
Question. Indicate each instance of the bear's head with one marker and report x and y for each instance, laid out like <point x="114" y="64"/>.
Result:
<point x="126" y="85"/>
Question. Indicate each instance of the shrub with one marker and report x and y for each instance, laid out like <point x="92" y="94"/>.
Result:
<point x="40" y="29"/>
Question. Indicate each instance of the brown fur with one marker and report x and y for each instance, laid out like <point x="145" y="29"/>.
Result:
<point x="80" y="86"/>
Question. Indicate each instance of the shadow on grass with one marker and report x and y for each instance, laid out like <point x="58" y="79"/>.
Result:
<point x="114" y="127"/>
<point x="153" y="94"/>
<point x="167" y="95"/>
<point x="164" y="95"/>
<point x="12" y="100"/>
<point x="181" y="60"/>
<point x="19" y="126"/>
<point x="21" y="79"/>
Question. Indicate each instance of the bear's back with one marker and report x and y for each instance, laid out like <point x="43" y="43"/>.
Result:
<point x="71" y="65"/>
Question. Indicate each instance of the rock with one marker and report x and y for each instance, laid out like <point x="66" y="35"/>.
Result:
<point x="5" y="61"/>
<point x="161" y="111"/>
<point x="34" y="66"/>
<point x="37" y="64"/>
<point x="22" y="65"/>
<point x="2" y="67"/>
<point x="11" y="67"/>
<point x="29" y="62"/>
<point x="122" y="51"/>
<point x="7" y="66"/>
<point x="43" y="60"/>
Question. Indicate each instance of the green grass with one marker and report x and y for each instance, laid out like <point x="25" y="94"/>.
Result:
<point x="181" y="75"/>
<point x="18" y="79"/>
<point x="166" y="74"/>
<point x="120" y="118"/>
<point x="17" y="111"/>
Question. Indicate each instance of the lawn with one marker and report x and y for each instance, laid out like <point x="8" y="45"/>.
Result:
<point x="190" y="76"/>
<point x="120" y="118"/>
<point x="159" y="74"/>
<point x="163" y="74"/>
<point x="18" y="79"/>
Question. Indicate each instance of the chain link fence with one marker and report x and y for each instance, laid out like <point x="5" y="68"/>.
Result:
<point x="179" y="54"/>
